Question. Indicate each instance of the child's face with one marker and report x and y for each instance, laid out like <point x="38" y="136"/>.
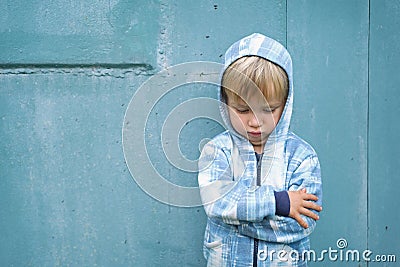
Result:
<point x="255" y="123"/>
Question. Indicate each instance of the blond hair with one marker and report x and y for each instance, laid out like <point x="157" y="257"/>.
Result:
<point x="251" y="71"/>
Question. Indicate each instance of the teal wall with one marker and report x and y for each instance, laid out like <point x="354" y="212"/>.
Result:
<point x="68" y="70"/>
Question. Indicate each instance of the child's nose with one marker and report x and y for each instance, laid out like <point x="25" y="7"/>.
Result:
<point x="254" y="121"/>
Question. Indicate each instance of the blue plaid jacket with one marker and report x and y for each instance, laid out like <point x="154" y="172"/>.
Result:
<point x="238" y="210"/>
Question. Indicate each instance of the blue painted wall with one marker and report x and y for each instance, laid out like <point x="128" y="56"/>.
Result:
<point x="68" y="70"/>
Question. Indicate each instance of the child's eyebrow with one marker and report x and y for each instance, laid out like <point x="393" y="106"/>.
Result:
<point x="240" y="105"/>
<point x="274" y="106"/>
<point x="235" y="104"/>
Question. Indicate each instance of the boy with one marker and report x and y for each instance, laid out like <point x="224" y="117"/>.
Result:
<point x="260" y="183"/>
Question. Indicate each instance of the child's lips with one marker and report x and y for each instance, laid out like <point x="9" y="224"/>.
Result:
<point x="255" y="134"/>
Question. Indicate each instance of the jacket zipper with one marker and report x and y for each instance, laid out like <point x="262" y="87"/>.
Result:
<point x="255" y="253"/>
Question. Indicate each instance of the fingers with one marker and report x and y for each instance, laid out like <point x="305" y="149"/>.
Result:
<point x="301" y="221"/>
<point x="305" y="212"/>
<point x="312" y="205"/>
<point x="306" y="196"/>
<point x="310" y="197"/>
<point x="303" y="204"/>
<point x="309" y="213"/>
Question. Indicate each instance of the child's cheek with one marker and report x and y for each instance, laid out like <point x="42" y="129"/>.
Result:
<point x="238" y="124"/>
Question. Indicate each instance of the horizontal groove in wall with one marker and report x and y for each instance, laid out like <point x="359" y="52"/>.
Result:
<point x="98" y="69"/>
<point x="73" y="66"/>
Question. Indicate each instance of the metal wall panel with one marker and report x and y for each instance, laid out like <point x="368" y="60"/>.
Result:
<point x="383" y="153"/>
<point x="84" y="32"/>
<point x="329" y="44"/>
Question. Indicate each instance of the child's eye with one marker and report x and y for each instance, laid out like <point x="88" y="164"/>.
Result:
<point x="270" y="110"/>
<point x="242" y="110"/>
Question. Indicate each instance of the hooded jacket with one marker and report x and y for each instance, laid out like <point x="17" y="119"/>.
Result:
<point x="238" y="209"/>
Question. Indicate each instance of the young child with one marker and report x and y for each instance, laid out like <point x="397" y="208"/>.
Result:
<point x="260" y="183"/>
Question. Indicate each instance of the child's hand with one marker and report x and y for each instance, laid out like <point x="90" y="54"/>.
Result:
<point x="300" y="204"/>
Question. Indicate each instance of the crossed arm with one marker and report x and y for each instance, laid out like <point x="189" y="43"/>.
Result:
<point x="235" y="203"/>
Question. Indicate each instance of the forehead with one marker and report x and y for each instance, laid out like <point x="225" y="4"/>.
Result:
<point x="254" y="102"/>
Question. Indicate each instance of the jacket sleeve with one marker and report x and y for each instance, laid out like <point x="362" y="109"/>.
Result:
<point x="285" y="229"/>
<point x="234" y="202"/>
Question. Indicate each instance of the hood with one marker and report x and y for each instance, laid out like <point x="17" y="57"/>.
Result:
<point x="257" y="44"/>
